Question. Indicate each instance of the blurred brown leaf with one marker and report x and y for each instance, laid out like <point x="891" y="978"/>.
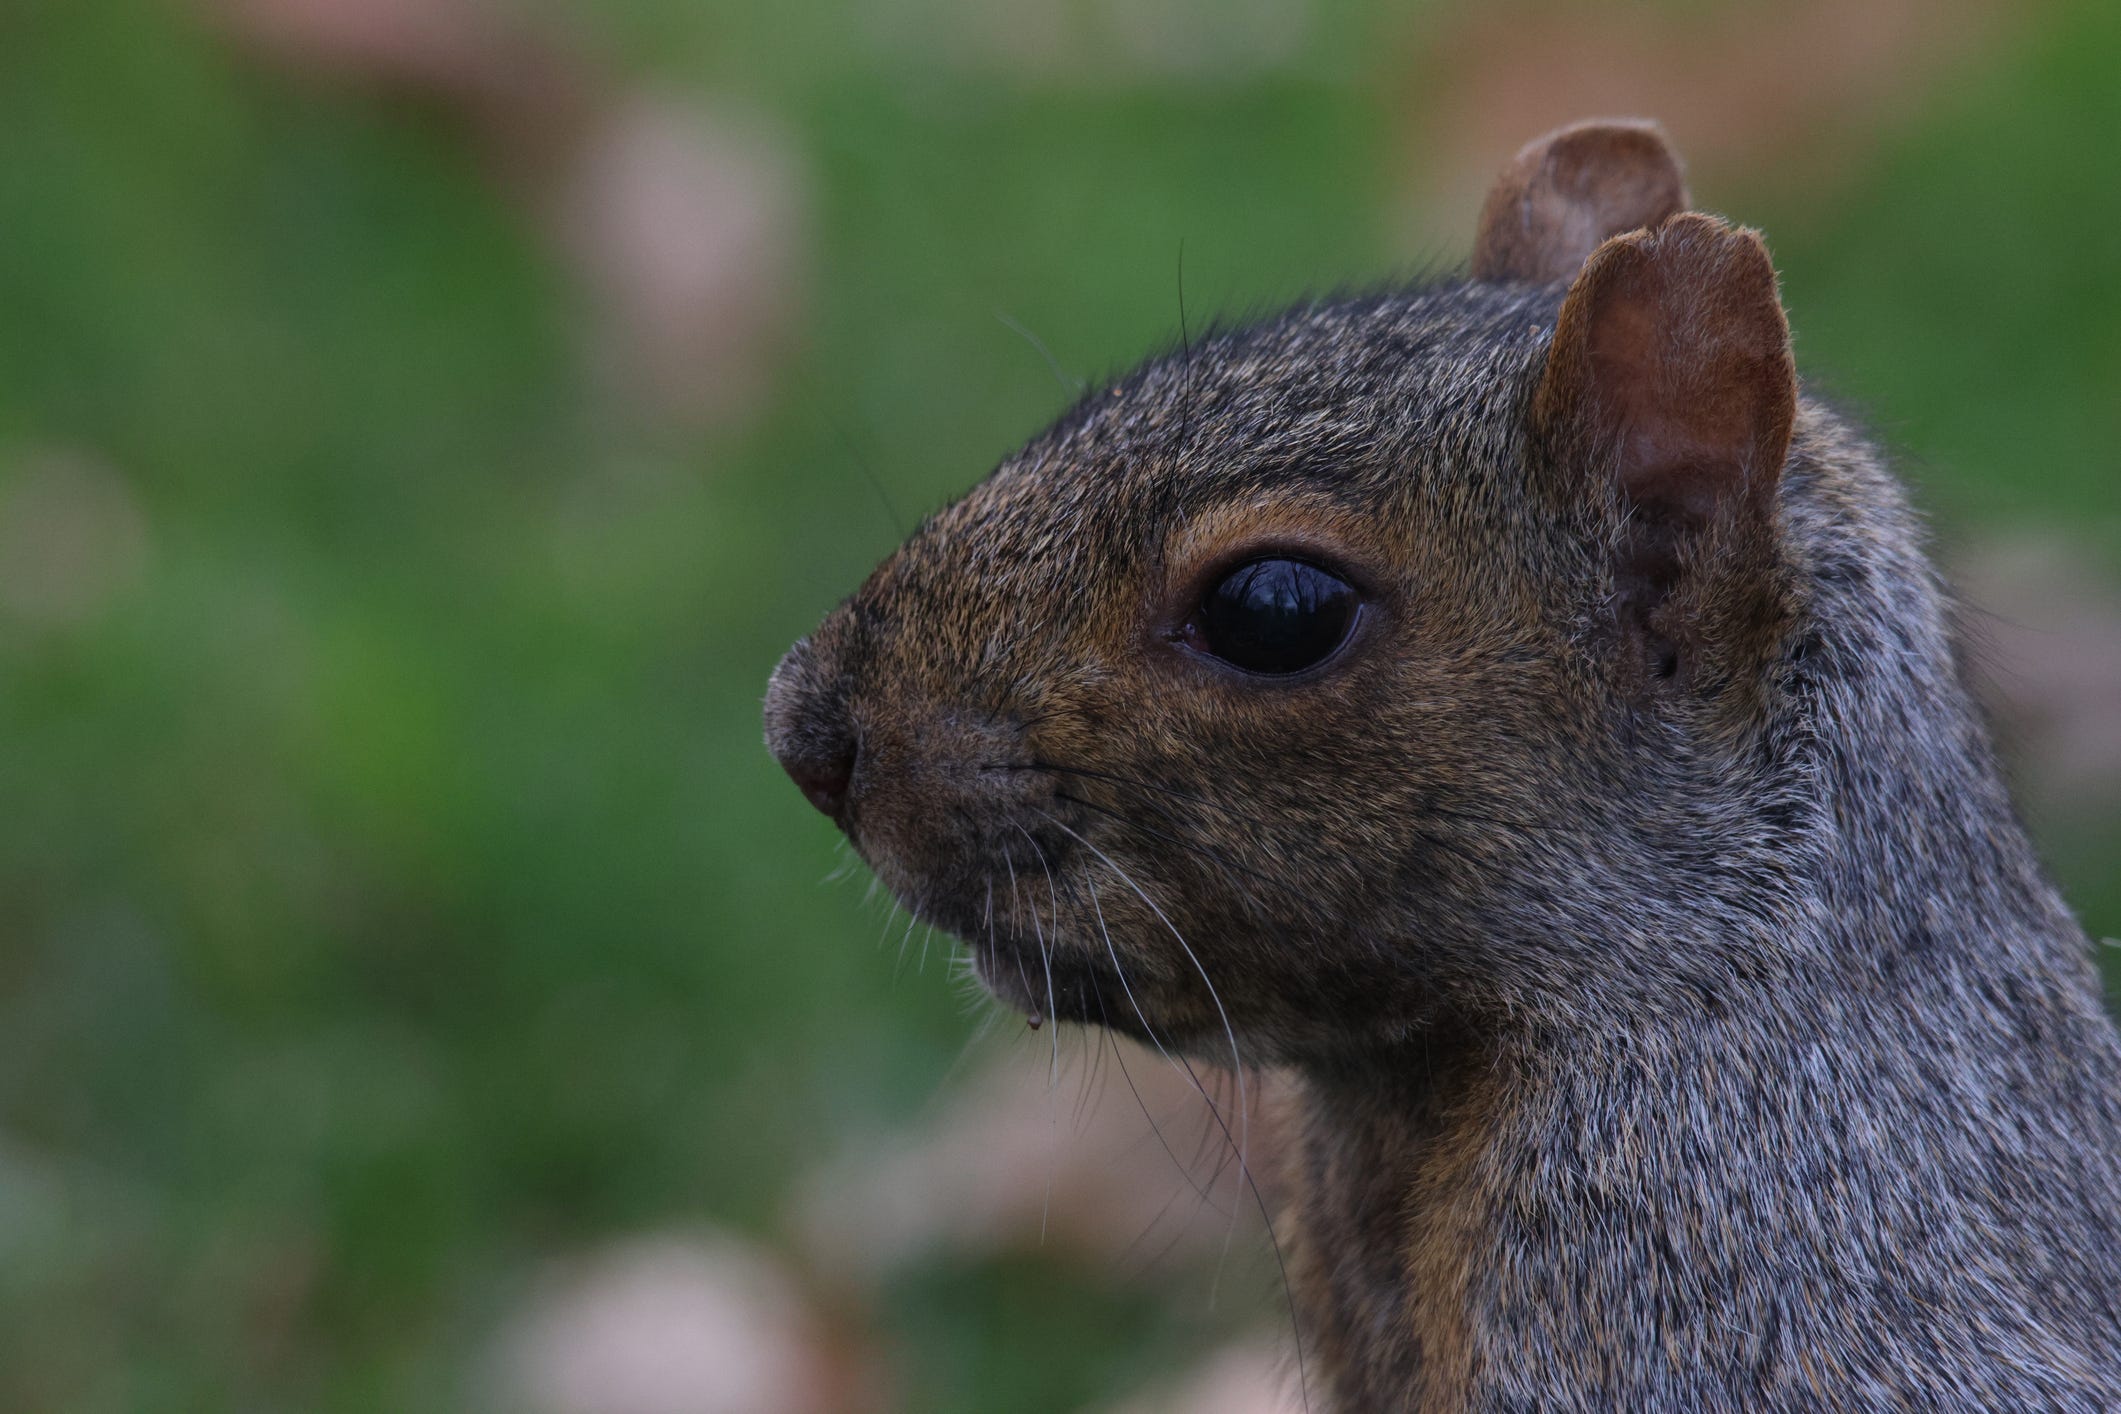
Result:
<point x="2046" y="631"/>
<point x="521" y="88"/>
<point x="1255" y="1376"/>
<point x="677" y="1324"/>
<point x="1120" y="1172"/>
<point x="1802" y="87"/>
<point x="688" y="230"/>
<point x="684" y="223"/>
<point x="1093" y="42"/>
<point x="73" y="537"/>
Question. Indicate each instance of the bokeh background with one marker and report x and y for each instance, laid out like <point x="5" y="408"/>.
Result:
<point x="424" y="422"/>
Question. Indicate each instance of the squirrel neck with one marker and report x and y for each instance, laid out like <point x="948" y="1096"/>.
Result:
<point x="1860" y="828"/>
<point x="1477" y="1216"/>
<point x="1916" y="855"/>
<point x="1899" y="1069"/>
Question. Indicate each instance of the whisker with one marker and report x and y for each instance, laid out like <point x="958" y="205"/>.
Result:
<point x="1046" y="956"/>
<point x="912" y="918"/>
<point x="1014" y="904"/>
<point x="1194" y="847"/>
<point x="1092" y="1074"/>
<point x="861" y="462"/>
<point x="1136" y="782"/>
<point x="1229" y="1032"/>
<point x="1457" y="849"/>
<point x="1244" y="1169"/>
<point x="1185" y="337"/>
<point x="1200" y="1152"/>
<point x="1222" y="1260"/>
<point x="1206" y="1200"/>
<point x="891" y="912"/>
<point x="1073" y="385"/>
<point x="1121" y="973"/>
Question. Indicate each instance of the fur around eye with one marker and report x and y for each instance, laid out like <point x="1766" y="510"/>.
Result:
<point x="1274" y="617"/>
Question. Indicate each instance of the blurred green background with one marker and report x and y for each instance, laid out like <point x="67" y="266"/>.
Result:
<point x="422" y="426"/>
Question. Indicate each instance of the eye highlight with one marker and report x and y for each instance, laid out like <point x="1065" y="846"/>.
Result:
<point x="1274" y="616"/>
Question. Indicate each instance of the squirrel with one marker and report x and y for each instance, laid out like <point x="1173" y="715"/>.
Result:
<point x="1512" y="707"/>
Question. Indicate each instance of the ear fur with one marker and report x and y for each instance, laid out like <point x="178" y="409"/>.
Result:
<point x="1569" y="190"/>
<point x="1670" y="378"/>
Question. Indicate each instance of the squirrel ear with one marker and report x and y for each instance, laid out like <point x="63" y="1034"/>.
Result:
<point x="1571" y="189"/>
<point x="1670" y="376"/>
<point x="1671" y="368"/>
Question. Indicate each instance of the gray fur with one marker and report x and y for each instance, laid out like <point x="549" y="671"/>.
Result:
<point x="1714" y="1046"/>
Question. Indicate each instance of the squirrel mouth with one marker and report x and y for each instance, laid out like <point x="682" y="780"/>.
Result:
<point x="1030" y="952"/>
<point x="1058" y="983"/>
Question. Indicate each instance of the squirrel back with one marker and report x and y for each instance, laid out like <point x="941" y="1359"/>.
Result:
<point x="1511" y="707"/>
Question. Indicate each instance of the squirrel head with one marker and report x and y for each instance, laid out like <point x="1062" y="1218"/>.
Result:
<point x="1368" y="663"/>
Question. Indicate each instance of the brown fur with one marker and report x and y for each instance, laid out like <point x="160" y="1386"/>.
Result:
<point x="1678" y="1015"/>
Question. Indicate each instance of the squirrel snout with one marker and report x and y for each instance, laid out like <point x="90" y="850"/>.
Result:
<point x="895" y="775"/>
<point x="810" y="733"/>
<point x="823" y="780"/>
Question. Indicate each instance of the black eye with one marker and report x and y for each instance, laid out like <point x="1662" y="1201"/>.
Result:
<point x="1274" y="616"/>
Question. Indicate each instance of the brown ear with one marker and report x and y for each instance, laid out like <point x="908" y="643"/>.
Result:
<point x="1571" y="189"/>
<point x="1670" y="376"/>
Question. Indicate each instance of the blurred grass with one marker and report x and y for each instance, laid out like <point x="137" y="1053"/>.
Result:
<point x="394" y="891"/>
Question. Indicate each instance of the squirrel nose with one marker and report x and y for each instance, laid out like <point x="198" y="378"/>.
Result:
<point x="809" y="729"/>
<point x="823" y="779"/>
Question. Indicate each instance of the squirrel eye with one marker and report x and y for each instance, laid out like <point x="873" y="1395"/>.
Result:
<point x="1274" y="616"/>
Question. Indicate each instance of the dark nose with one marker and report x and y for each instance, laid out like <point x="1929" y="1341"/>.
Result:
<point x="809" y="729"/>
<point x="823" y="779"/>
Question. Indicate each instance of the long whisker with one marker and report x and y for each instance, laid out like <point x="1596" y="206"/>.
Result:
<point x="1237" y="1063"/>
<point x="1214" y="856"/>
<point x="1014" y="904"/>
<point x="1135" y="1090"/>
<point x="1045" y="955"/>
<point x="1073" y="385"/>
<point x="1200" y="1153"/>
<point x="1242" y="1143"/>
<point x="1456" y="849"/>
<point x="861" y="462"/>
<point x="890" y="917"/>
<point x="1185" y="337"/>
<point x="912" y="918"/>
<point x="1134" y="781"/>
<point x="1243" y="1168"/>
<point x="1112" y="1045"/>
<point x="1092" y="1092"/>
<point x="1306" y="901"/>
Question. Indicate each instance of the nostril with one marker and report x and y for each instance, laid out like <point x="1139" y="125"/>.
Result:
<point x="808" y="728"/>
<point x="824" y="780"/>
